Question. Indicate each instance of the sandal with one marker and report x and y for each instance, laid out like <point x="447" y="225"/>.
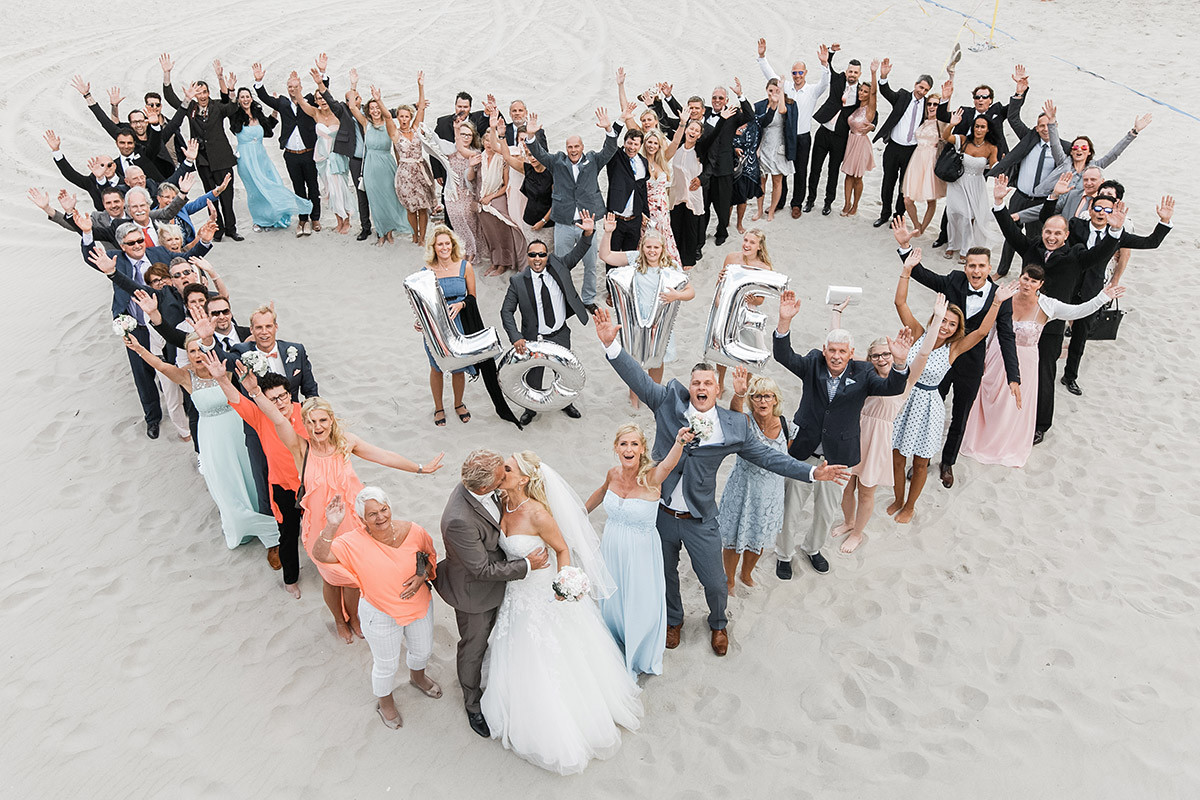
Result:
<point x="464" y="415"/>
<point x="433" y="691"/>
<point x="394" y="724"/>
<point x="441" y="423"/>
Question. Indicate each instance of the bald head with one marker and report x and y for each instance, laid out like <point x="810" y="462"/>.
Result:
<point x="799" y="73"/>
<point x="1054" y="232"/>
<point x="574" y="148"/>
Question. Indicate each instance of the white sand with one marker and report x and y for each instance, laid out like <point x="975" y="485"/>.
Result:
<point x="1027" y="637"/>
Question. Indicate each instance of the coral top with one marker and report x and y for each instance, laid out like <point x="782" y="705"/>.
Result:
<point x="324" y="477"/>
<point x="381" y="570"/>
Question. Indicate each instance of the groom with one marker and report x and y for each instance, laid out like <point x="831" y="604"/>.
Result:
<point x="472" y="575"/>
<point x="687" y="513"/>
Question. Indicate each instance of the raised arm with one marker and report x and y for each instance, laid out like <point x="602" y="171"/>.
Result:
<point x="901" y="299"/>
<point x="354" y="103"/>
<point x="650" y="393"/>
<point x="335" y="512"/>
<point x="597" y="497"/>
<point x="763" y="64"/>
<point x="174" y="373"/>
<point x="676" y="140"/>
<point x="422" y="102"/>
<point x="1139" y="124"/>
<point x="612" y="259"/>
<point x="387" y="458"/>
<point x="663" y="468"/>
<point x="1012" y="234"/>
<point x="940" y="305"/>
<point x="741" y="383"/>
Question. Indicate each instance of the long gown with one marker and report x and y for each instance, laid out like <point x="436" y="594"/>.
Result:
<point x="504" y="242"/>
<point x="556" y="686"/>
<point x="379" y="180"/>
<point x="271" y="203"/>
<point x="969" y="207"/>
<point x="750" y="514"/>
<point x="917" y="430"/>
<point x="227" y="469"/>
<point x="414" y="180"/>
<point x="859" y="159"/>
<point x="920" y="184"/>
<point x="636" y="614"/>
<point x="658" y="202"/>
<point x="463" y="209"/>
<point x="325" y="476"/>
<point x="333" y="173"/>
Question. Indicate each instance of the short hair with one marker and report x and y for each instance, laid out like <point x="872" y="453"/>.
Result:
<point x="370" y="493"/>
<point x="194" y="288"/>
<point x="265" y="308"/>
<point x="125" y="130"/>
<point x="633" y="133"/>
<point x="991" y="92"/>
<point x="925" y="78"/>
<point x="202" y="83"/>
<point x="761" y="384"/>
<point x="1034" y="271"/>
<point x="273" y="380"/>
<point x="148" y="95"/>
<point x="839" y="336"/>
<point x="167" y="186"/>
<point x="1115" y="185"/>
<point x="696" y="99"/>
<point x="479" y="469"/>
<point x="1106" y="196"/>
<point x="129" y="116"/>
<point x="158" y="270"/>
<point x="532" y="242"/>
<point x="214" y="298"/>
<point x="462" y="96"/>
<point x="702" y="366"/>
<point x="1091" y="167"/>
<point x="110" y="189"/>
<point x="986" y="252"/>
<point x="177" y="260"/>
<point x="854" y="62"/>
<point x="139" y="191"/>
<point x="126" y="228"/>
<point x="169" y="229"/>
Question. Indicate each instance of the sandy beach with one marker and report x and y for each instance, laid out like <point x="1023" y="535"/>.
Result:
<point x="1027" y="636"/>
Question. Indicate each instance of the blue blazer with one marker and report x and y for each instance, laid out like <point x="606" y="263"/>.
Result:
<point x="765" y="115"/>
<point x="298" y="369"/>
<point x="121" y="295"/>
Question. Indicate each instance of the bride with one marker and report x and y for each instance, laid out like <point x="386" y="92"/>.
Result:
<point x="556" y="684"/>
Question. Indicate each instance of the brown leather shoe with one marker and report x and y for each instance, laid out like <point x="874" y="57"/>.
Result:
<point x="720" y="642"/>
<point x="673" y="636"/>
<point x="273" y="557"/>
<point x="947" y="475"/>
<point x="795" y="212"/>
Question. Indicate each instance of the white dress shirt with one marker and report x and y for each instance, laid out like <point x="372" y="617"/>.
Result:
<point x="558" y="304"/>
<point x="806" y="98"/>
<point x="639" y="172"/>
<point x="905" y="130"/>
<point x="676" y="502"/>
<point x="1026" y="175"/>
<point x="274" y="361"/>
<point x="849" y="98"/>
<point x="229" y="339"/>
<point x="974" y="301"/>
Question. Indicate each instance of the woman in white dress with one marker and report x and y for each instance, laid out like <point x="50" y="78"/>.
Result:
<point x="968" y="202"/>
<point x="333" y="169"/>
<point x="556" y="686"/>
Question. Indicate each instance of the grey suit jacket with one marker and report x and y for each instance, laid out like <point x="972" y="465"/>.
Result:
<point x="471" y="577"/>
<point x="520" y="294"/>
<point x="569" y="193"/>
<point x="699" y="464"/>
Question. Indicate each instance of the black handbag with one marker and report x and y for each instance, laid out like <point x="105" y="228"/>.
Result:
<point x="1107" y="321"/>
<point x="949" y="164"/>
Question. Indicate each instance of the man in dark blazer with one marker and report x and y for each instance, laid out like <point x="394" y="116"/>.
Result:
<point x="297" y="140"/>
<point x="833" y="130"/>
<point x="900" y="131"/>
<point x="349" y="143"/>
<point x="147" y="141"/>
<point x="288" y="359"/>
<point x="720" y="160"/>
<point x="444" y="127"/>
<point x="627" y="174"/>
<point x="471" y="577"/>
<point x="971" y="290"/>
<point x="546" y="298"/>
<point x="687" y="512"/>
<point x="519" y="115"/>
<point x="835" y="388"/>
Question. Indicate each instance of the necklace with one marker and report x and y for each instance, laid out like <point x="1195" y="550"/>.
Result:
<point x="508" y="510"/>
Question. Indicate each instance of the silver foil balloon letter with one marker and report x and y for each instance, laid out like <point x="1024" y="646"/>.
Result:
<point x="450" y="349"/>
<point x="568" y="376"/>
<point x="645" y="336"/>
<point x="736" y="333"/>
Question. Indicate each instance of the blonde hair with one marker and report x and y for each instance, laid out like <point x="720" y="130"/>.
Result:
<point x="264" y="309"/>
<point x="664" y="258"/>
<point x="336" y="437"/>
<point x="412" y="112"/>
<point x="456" y="252"/>
<point x="761" y="384"/>
<point x="531" y="467"/>
<point x="645" y="463"/>
<point x="660" y="158"/>
<point x="882" y="341"/>
<point x="761" y="254"/>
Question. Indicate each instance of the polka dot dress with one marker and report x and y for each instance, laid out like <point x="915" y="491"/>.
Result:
<point x="918" y="427"/>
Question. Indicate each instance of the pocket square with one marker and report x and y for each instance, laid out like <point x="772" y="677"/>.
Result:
<point x="849" y="381"/>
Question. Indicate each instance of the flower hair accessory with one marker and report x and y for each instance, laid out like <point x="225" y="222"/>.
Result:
<point x="123" y="325"/>
<point x="571" y="583"/>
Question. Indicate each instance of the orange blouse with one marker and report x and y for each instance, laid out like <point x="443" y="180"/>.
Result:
<point x="381" y="570"/>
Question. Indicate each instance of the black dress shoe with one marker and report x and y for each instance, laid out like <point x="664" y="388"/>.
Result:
<point x="879" y="223"/>
<point x="1038" y="436"/>
<point x="720" y="239"/>
<point x="1072" y="387"/>
<point x="152" y="430"/>
<point x="783" y="570"/>
<point x="808" y="206"/>
<point x="591" y="307"/>
<point x="947" y="475"/>
<point x="218" y="236"/>
<point x="364" y="234"/>
<point x="572" y="412"/>
<point x="235" y="236"/>
<point x="939" y="242"/>
<point x="826" y="209"/>
<point x="527" y="417"/>
<point x="479" y="724"/>
<point x="819" y="563"/>
<point x="699" y="253"/>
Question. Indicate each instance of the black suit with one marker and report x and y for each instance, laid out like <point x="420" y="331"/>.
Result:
<point x="719" y="162"/>
<point x="896" y="156"/>
<point x="997" y="115"/>
<point x="967" y="371"/>
<point x="830" y="144"/>
<point x="444" y="130"/>
<point x="300" y="165"/>
<point x="668" y="124"/>
<point x="153" y="146"/>
<point x="216" y="158"/>
<point x="346" y="144"/>
<point x="621" y="184"/>
<point x="510" y="135"/>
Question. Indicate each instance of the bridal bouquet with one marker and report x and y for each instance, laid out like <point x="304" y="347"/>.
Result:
<point x="571" y="583"/>
<point x="256" y="362"/>
<point x="123" y="324"/>
<point x="702" y="427"/>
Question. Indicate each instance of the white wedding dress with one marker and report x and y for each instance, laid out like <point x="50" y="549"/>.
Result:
<point x="556" y="686"/>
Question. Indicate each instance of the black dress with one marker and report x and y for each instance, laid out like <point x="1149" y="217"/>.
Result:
<point x="747" y="174"/>
<point x="538" y="188"/>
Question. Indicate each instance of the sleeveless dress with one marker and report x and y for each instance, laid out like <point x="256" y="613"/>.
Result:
<point x="325" y="476"/>
<point x="875" y="426"/>
<point x="859" y="159"/>
<point x="455" y="289"/>
<point x="636" y="614"/>
<point x="920" y="184"/>
<point x="504" y="242"/>
<point x="747" y="183"/>
<point x="997" y="431"/>
<point x="414" y="180"/>
<point x="750" y="514"/>
<point x="333" y="173"/>
<point x="463" y="210"/>
<point x="917" y="430"/>
<point x="969" y="207"/>
<point x="228" y="473"/>
<point x="658" y="200"/>
<point x="772" y="153"/>
<point x="379" y="180"/>
<point x="271" y="203"/>
<point x="556" y="686"/>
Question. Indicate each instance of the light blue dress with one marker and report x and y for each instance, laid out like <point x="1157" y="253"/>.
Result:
<point x="751" y="512"/>
<point x="379" y="181"/>
<point x="226" y="466"/>
<point x="454" y="289"/>
<point x="272" y="204"/>
<point x="636" y="613"/>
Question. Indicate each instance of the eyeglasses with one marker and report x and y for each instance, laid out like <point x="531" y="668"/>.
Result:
<point x="280" y="398"/>
<point x="219" y="312"/>
<point x="109" y="164"/>
<point x="132" y="242"/>
<point x="536" y="255"/>
<point x="1102" y="210"/>
<point x="153" y="105"/>
<point x="759" y="397"/>
<point x="983" y="97"/>
<point x="879" y="356"/>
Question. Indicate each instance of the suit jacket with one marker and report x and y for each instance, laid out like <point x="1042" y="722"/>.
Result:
<point x="520" y="294"/>
<point x="291" y="119"/>
<point x="900" y="100"/>
<point x="155" y="161"/>
<point x="668" y="124"/>
<point x="86" y="182"/>
<point x="621" y="183"/>
<point x="833" y="101"/>
<point x="570" y="193"/>
<point x="444" y="128"/>
<point x="1079" y="231"/>
<point x="123" y="296"/>
<point x="471" y="577"/>
<point x="1029" y="138"/>
<point x="349" y="130"/>
<point x="699" y="464"/>
<point x="510" y="135"/>
<point x="765" y="115"/>
<point x="1065" y="267"/>
<point x="295" y="364"/>
<point x="997" y="115"/>
<point x="720" y="159"/>
<point x="832" y="424"/>
<point x="955" y="286"/>
<point x="216" y="152"/>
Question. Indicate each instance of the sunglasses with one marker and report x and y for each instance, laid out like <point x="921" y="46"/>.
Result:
<point x="153" y="105"/>
<point x="983" y="97"/>
<point x="109" y="164"/>
<point x="132" y="242"/>
<point x="797" y="72"/>
<point x="219" y="312"/>
<point x="536" y="255"/>
<point x="1079" y="147"/>
<point x="1102" y="210"/>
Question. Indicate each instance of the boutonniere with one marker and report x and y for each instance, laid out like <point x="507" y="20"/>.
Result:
<point x="291" y="354"/>
<point x="583" y="162"/>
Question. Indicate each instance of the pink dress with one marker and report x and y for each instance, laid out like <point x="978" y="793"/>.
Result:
<point x="859" y="160"/>
<point x="325" y="476"/>
<point x="874" y="467"/>
<point x="920" y="184"/>
<point x="658" y="197"/>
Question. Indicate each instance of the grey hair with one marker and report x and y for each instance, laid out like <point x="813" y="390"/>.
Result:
<point x="167" y="186"/>
<point x="170" y="229"/>
<point x="926" y="79"/>
<point x="839" y="336"/>
<point x="126" y="228"/>
<point x="370" y="493"/>
<point x="479" y="470"/>
<point x="138" y="190"/>
<point x="1091" y="167"/>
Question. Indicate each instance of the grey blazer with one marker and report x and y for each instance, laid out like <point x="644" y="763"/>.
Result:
<point x="471" y="577"/>
<point x="699" y="464"/>
<point x="569" y="193"/>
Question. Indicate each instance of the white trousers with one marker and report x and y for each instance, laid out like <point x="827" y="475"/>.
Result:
<point x="385" y="637"/>
<point x="827" y="498"/>
<point x="172" y="394"/>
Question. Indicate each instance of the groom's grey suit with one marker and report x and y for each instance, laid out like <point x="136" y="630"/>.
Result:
<point x="471" y="579"/>
<point x="697" y="468"/>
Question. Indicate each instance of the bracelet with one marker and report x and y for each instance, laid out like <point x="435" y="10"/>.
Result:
<point x="420" y="469"/>
<point x="323" y="539"/>
<point x="743" y="394"/>
<point x="255" y="396"/>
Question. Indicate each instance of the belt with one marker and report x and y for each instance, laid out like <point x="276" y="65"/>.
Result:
<point x="674" y="513"/>
<point x="300" y="152"/>
<point x="927" y="387"/>
<point x="626" y="219"/>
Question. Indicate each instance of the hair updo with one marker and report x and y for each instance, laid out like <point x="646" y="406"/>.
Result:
<point x="531" y="467"/>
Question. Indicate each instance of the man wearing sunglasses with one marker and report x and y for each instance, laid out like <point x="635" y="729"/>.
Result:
<point x="900" y="130"/>
<point x="148" y="140"/>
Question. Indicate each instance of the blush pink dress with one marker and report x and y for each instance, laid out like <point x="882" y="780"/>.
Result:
<point x="325" y="476"/>
<point x="874" y="467"/>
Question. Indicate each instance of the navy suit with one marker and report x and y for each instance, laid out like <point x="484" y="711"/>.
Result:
<point x="296" y="366"/>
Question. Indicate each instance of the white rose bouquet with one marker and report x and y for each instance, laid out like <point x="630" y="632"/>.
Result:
<point x="571" y="583"/>
<point x="124" y="324"/>
<point x="256" y="362"/>
<point x="702" y="427"/>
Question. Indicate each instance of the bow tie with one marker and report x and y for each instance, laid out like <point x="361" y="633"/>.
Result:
<point x="273" y="354"/>
<point x="975" y="293"/>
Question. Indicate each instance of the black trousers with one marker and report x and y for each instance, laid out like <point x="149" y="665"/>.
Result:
<point x="895" y="164"/>
<point x="303" y="172"/>
<point x="1018" y="202"/>
<point x="211" y="179"/>
<point x="1081" y="329"/>
<point x="718" y="195"/>
<point x="364" y="208"/>
<point x="686" y="227"/>
<point x="1049" y="349"/>
<point x="803" y="146"/>
<point x="826" y="145"/>
<point x="143" y="378"/>
<point x="628" y="235"/>
<point x="289" y="532"/>
<point x="965" y="384"/>
<point x="537" y="377"/>
<point x="193" y="420"/>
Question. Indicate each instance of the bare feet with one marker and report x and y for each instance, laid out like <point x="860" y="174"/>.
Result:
<point x="493" y="272"/>
<point x="356" y="626"/>
<point x="741" y="228"/>
<point x="747" y="579"/>
<point x="729" y="586"/>
<point x="842" y="530"/>
<point x="845" y="212"/>
<point x="343" y="630"/>
<point x="894" y="507"/>
<point x="905" y="515"/>
<point x="771" y="215"/>
<point x="293" y="589"/>
<point x="852" y="542"/>
<point x="756" y="216"/>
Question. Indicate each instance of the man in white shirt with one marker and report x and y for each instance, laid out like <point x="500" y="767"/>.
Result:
<point x="834" y="130"/>
<point x="900" y="130"/>
<point x="298" y="140"/>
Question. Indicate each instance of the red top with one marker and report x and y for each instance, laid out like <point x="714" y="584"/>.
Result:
<point x="281" y="465"/>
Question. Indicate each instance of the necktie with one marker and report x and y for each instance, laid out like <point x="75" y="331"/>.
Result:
<point x="912" y="124"/>
<point x="547" y="304"/>
<point x="225" y="342"/>
<point x="1037" y="176"/>
<point x="1093" y="238"/>
<point x="146" y="233"/>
